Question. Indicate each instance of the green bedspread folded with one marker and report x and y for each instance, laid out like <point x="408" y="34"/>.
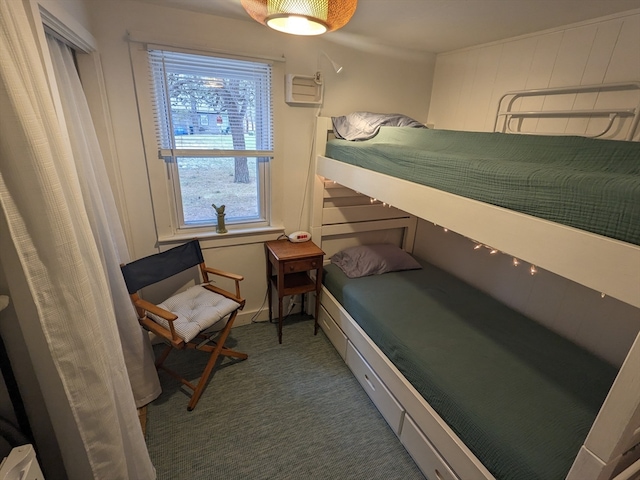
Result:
<point x="590" y="184"/>
<point x="521" y="397"/>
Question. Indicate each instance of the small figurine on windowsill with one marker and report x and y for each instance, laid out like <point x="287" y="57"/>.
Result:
<point x="220" y="228"/>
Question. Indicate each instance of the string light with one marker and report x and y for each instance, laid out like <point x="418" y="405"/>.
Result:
<point x="492" y="251"/>
<point x="602" y="295"/>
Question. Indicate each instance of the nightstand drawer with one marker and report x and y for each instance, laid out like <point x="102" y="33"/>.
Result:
<point x="302" y="265"/>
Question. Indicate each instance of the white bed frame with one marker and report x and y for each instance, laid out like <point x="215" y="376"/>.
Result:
<point x="349" y="200"/>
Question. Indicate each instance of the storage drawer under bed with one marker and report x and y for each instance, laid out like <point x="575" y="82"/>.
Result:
<point x="386" y="403"/>
<point x="423" y="453"/>
<point x="335" y="335"/>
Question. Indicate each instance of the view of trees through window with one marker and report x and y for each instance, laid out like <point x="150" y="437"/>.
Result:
<point x="208" y="113"/>
<point x="210" y="108"/>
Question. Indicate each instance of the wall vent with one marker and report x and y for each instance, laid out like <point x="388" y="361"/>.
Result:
<point x="303" y="91"/>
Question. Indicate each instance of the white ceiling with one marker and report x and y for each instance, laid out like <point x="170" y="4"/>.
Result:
<point x="437" y="25"/>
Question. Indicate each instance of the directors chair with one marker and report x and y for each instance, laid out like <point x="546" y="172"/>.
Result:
<point x="189" y="319"/>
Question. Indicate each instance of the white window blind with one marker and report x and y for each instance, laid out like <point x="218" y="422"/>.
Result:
<point x="213" y="123"/>
<point x="208" y="105"/>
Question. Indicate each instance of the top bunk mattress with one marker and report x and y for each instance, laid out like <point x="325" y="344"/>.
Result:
<point x="589" y="184"/>
<point x="521" y="397"/>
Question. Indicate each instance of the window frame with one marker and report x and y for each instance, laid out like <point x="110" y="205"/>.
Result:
<point x="262" y="185"/>
<point x="160" y="169"/>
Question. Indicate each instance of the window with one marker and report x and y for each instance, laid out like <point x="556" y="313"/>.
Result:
<point x="213" y="120"/>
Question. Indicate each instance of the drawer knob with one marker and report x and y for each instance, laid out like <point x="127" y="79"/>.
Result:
<point x="313" y="264"/>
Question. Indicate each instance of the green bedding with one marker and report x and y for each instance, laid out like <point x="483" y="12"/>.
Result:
<point x="590" y="184"/>
<point x="521" y="397"/>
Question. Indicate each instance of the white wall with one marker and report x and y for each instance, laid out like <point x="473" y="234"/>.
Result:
<point x="467" y="86"/>
<point x="75" y="10"/>
<point x="605" y="326"/>
<point x="468" y="83"/>
<point x="368" y="82"/>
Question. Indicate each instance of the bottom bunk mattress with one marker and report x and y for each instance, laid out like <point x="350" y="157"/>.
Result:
<point x="521" y="397"/>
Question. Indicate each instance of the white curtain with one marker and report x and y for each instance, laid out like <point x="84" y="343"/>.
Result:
<point x="42" y="203"/>
<point x="105" y="223"/>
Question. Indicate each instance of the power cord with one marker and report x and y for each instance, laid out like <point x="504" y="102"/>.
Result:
<point x="290" y="308"/>
<point x="264" y="300"/>
<point x="292" y="303"/>
<point x="306" y="184"/>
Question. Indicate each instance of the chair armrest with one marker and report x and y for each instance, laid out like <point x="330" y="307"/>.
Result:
<point x="156" y="310"/>
<point x="145" y="306"/>
<point x="222" y="273"/>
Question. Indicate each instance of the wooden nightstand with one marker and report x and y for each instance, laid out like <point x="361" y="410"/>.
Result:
<point x="288" y="268"/>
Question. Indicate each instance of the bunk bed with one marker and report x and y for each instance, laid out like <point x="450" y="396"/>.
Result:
<point x="607" y="262"/>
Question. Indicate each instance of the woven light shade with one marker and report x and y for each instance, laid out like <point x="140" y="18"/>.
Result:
<point x="301" y="17"/>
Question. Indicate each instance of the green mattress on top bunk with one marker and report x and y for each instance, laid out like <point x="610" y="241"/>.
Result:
<point x="590" y="184"/>
<point x="520" y="397"/>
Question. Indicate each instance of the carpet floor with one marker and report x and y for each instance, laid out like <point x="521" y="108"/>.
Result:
<point x="291" y="411"/>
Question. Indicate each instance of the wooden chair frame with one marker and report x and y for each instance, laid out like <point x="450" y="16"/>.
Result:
<point x="201" y="341"/>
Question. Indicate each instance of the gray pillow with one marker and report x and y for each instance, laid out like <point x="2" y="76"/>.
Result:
<point x="365" y="260"/>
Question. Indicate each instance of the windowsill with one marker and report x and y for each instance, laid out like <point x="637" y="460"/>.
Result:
<point x="239" y="236"/>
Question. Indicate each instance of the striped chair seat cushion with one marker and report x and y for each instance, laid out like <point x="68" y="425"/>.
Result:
<point x="197" y="309"/>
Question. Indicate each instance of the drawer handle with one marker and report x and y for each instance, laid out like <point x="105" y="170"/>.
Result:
<point x="290" y="267"/>
<point x="369" y="382"/>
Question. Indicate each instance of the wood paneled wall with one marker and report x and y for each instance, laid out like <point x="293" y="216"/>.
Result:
<point x="469" y="83"/>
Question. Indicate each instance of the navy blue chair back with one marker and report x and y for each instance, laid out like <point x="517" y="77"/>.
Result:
<point x="155" y="268"/>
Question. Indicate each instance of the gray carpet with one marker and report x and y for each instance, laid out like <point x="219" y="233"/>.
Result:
<point x="291" y="411"/>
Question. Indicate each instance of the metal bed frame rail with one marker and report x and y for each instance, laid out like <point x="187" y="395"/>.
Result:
<point x="507" y="101"/>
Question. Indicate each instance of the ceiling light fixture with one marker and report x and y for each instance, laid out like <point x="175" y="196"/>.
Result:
<point x="301" y="17"/>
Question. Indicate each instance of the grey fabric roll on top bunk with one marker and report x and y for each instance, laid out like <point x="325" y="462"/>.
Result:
<point x="521" y="397"/>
